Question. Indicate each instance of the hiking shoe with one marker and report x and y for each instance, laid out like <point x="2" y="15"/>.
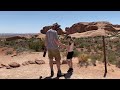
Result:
<point x="59" y="74"/>
<point x="70" y="70"/>
<point x="52" y="73"/>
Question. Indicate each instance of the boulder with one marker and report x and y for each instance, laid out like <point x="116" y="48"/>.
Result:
<point x="14" y="64"/>
<point x="31" y="62"/>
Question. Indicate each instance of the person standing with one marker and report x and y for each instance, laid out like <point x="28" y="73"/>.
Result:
<point x="52" y="44"/>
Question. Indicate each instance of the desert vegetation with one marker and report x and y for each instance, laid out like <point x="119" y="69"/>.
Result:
<point x="90" y="49"/>
<point x="20" y="45"/>
<point x="87" y="47"/>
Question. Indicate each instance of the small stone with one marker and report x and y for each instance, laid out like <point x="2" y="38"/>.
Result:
<point x="8" y="67"/>
<point x="31" y="62"/>
<point x="40" y="62"/>
<point x="25" y="63"/>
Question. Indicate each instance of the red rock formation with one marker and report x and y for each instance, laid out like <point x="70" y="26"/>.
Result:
<point x="91" y="27"/>
<point x="84" y="26"/>
<point x="46" y="28"/>
<point x="116" y="26"/>
<point x="109" y="28"/>
<point x="88" y="26"/>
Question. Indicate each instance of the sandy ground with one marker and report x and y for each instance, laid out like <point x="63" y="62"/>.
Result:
<point x="34" y="71"/>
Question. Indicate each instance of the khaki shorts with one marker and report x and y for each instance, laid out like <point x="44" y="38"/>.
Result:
<point x="54" y="53"/>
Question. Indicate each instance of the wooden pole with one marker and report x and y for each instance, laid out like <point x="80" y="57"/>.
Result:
<point x="104" y="51"/>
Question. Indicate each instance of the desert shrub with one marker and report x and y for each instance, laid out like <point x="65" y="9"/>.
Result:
<point x="21" y="49"/>
<point x="76" y="53"/>
<point x="83" y="59"/>
<point x="36" y="45"/>
<point x="95" y="57"/>
<point x="111" y="57"/>
<point x="6" y="42"/>
<point x="9" y="52"/>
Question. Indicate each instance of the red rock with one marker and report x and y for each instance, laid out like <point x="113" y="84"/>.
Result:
<point x="3" y="65"/>
<point x="14" y="64"/>
<point x="46" y="28"/>
<point x="91" y="27"/>
<point x="31" y="62"/>
<point x="8" y="67"/>
<point x="25" y="63"/>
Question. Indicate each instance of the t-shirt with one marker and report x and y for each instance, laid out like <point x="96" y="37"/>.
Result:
<point x="51" y="35"/>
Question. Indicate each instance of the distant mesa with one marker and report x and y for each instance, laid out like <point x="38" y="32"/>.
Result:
<point x="14" y="38"/>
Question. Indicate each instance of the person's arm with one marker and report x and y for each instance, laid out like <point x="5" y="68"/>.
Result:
<point x="60" y="44"/>
<point x="57" y="41"/>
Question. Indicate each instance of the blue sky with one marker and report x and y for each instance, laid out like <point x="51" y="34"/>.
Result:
<point x="33" y="21"/>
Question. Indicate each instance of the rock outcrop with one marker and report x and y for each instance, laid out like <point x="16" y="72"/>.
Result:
<point x="89" y="26"/>
<point x="85" y="26"/>
<point x="46" y="28"/>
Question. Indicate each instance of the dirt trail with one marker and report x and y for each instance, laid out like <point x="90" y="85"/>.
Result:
<point x="34" y="71"/>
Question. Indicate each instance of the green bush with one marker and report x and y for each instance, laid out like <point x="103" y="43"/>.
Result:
<point x="95" y="57"/>
<point x="76" y="53"/>
<point x="112" y="57"/>
<point x="36" y="45"/>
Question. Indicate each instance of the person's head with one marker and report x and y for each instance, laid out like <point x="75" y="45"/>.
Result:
<point x="69" y="39"/>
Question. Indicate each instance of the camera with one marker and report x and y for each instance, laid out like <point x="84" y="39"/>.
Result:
<point x="45" y="51"/>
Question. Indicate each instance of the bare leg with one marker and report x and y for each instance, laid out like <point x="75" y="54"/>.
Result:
<point x="51" y="64"/>
<point x="70" y="64"/>
<point x="51" y="67"/>
<point x="58" y="64"/>
<point x="58" y="67"/>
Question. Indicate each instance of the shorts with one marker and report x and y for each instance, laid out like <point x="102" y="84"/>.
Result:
<point x="70" y="55"/>
<point x="54" y="53"/>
